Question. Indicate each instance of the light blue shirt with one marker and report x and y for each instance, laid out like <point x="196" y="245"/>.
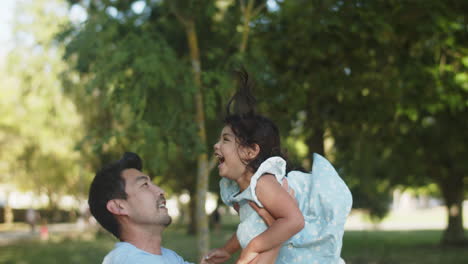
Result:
<point x="323" y="198"/>
<point x="126" y="253"/>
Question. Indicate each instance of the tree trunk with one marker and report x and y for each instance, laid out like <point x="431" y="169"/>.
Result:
<point x="315" y="133"/>
<point x="203" y="237"/>
<point x="453" y="193"/>
<point x="315" y="141"/>
<point x="202" y="160"/>
<point x="53" y="206"/>
<point x="192" y="226"/>
<point x="313" y="125"/>
<point x="248" y="13"/>
<point x="204" y="166"/>
<point x="7" y="211"/>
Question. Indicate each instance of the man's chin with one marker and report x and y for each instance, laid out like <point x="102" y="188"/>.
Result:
<point x="167" y="222"/>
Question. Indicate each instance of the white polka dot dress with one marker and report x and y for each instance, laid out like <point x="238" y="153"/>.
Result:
<point x="323" y="198"/>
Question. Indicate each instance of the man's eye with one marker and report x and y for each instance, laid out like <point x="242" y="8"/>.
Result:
<point x="145" y="184"/>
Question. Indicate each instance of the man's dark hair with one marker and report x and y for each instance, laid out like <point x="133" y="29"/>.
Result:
<point x="109" y="184"/>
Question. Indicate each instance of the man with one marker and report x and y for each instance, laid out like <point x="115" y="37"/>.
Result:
<point x="129" y="205"/>
<point x="125" y="202"/>
<point x="31" y="218"/>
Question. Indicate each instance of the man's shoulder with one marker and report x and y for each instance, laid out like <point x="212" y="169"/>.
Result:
<point x="126" y="253"/>
<point x="168" y="252"/>
<point x="172" y="256"/>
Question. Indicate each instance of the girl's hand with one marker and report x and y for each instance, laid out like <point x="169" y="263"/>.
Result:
<point x="215" y="256"/>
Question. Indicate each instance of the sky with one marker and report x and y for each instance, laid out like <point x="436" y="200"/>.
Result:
<point x="7" y="8"/>
<point x="6" y="19"/>
<point x="76" y="15"/>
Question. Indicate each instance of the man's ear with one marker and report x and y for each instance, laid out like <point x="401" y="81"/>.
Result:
<point x="116" y="206"/>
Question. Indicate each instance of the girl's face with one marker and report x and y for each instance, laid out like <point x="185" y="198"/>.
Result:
<point x="230" y="155"/>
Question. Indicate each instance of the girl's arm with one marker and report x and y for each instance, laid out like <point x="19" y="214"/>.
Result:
<point x="220" y="255"/>
<point x="283" y="207"/>
<point x="267" y="257"/>
<point x="232" y="245"/>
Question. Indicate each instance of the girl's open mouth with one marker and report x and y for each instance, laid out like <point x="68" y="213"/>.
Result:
<point x="220" y="159"/>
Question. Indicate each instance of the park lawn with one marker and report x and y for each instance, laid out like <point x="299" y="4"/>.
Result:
<point x="360" y="247"/>
<point x="385" y="247"/>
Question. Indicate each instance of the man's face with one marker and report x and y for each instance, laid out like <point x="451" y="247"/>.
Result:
<point x="145" y="204"/>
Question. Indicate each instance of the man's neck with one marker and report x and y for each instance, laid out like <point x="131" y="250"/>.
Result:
<point x="144" y="239"/>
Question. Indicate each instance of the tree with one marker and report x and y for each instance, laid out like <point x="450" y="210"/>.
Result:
<point x="434" y="68"/>
<point x="40" y="126"/>
<point x="127" y="59"/>
<point x="380" y="83"/>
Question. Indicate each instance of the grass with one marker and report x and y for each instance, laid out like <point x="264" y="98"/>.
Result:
<point x="56" y="251"/>
<point x="360" y="247"/>
<point x="90" y="248"/>
<point x="385" y="247"/>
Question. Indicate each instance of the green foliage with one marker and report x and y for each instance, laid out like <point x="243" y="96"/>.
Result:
<point x="134" y="79"/>
<point x="386" y="87"/>
<point x="39" y="125"/>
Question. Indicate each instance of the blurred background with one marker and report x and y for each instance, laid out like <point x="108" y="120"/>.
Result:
<point x="379" y="87"/>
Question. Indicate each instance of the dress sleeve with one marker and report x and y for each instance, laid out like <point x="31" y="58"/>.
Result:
<point x="273" y="165"/>
<point x="228" y="189"/>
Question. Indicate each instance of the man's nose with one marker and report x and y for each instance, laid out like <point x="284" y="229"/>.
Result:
<point x="159" y="190"/>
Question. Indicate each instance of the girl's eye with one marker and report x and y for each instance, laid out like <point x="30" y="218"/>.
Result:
<point x="226" y="139"/>
<point x="145" y="184"/>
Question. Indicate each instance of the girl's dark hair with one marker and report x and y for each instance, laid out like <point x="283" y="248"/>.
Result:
<point x="108" y="184"/>
<point x="251" y="128"/>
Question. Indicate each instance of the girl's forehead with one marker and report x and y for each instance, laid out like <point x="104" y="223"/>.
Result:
<point x="227" y="130"/>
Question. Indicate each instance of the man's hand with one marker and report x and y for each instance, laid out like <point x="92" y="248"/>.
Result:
<point x="215" y="256"/>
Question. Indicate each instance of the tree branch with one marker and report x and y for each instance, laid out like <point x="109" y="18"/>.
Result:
<point x="258" y="9"/>
<point x="242" y="5"/>
<point x="179" y="17"/>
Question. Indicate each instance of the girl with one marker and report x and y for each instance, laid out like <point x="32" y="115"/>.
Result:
<point x="307" y="229"/>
